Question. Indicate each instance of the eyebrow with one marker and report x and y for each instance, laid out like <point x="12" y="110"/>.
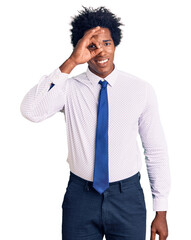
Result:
<point x="107" y="40"/>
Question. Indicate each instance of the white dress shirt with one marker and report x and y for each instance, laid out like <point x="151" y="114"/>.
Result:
<point x="133" y="109"/>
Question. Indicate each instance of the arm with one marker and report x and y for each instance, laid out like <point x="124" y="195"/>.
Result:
<point x="159" y="226"/>
<point x="49" y="95"/>
<point x="40" y="102"/>
<point x="157" y="162"/>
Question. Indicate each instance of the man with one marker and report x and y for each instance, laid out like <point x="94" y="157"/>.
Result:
<point x="104" y="110"/>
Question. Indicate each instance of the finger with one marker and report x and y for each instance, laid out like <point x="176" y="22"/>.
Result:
<point x="94" y="31"/>
<point x="88" y="37"/>
<point x="96" y="52"/>
<point x="162" y="237"/>
<point x="153" y="234"/>
<point x="95" y="42"/>
<point x="98" y="31"/>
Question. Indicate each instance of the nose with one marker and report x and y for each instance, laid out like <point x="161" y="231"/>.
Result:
<point x="102" y="53"/>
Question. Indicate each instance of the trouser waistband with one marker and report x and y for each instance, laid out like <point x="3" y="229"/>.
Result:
<point x="124" y="182"/>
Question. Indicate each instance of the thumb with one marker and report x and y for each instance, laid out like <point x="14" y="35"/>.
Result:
<point x="96" y="52"/>
<point x="153" y="234"/>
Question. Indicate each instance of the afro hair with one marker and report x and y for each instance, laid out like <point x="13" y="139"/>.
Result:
<point x="90" y="18"/>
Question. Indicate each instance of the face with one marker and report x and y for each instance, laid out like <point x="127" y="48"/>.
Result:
<point x="102" y="64"/>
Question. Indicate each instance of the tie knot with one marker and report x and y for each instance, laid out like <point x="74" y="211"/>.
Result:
<point x="103" y="83"/>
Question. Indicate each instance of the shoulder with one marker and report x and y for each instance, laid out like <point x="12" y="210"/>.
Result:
<point x="130" y="77"/>
<point x="82" y="77"/>
<point x="133" y="80"/>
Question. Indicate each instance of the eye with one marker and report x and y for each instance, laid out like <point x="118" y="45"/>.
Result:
<point x="92" y="46"/>
<point x="107" y="43"/>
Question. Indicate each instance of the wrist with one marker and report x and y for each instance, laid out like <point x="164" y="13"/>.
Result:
<point x="161" y="213"/>
<point x="68" y="66"/>
<point x="72" y="60"/>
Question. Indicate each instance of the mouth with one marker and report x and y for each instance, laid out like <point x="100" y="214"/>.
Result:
<point x="102" y="63"/>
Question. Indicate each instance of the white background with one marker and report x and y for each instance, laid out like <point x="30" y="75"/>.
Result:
<point x="35" y="40"/>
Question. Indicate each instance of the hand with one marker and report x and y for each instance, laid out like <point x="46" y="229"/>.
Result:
<point x="81" y="53"/>
<point x="159" y="226"/>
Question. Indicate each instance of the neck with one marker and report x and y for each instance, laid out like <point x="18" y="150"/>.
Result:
<point x="101" y="75"/>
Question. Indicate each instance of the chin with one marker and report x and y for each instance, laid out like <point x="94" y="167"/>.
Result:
<point x="106" y="71"/>
<point x="102" y="72"/>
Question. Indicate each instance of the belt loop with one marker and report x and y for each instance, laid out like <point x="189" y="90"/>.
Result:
<point x="139" y="175"/>
<point x="87" y="186"/>
<point x="121" y="186"/>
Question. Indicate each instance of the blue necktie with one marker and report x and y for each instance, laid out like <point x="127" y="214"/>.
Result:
<point x="101" y="176"/>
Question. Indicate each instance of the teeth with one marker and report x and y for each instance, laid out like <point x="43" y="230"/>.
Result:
<point x="103" y="61"/>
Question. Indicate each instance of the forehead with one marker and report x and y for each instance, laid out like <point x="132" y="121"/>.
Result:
<point x="106" y="35"/>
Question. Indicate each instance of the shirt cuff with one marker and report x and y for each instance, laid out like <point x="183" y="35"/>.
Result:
<point x="57" y="77"/>
<point x="160" y="204"/>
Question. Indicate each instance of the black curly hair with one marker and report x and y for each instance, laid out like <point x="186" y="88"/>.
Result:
<point x="90" y="18"/>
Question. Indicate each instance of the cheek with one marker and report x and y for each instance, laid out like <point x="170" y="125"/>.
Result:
<point x="111" y="51"/>
<point x="90" y="61"/>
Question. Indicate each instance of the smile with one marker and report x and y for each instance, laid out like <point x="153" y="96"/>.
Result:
<point x="103" y="61"/>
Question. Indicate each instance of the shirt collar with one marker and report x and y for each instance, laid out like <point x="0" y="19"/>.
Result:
<point x="94" y="79"/>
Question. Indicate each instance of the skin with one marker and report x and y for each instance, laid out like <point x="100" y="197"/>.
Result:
<point x="106" y="42"/>
<point x="159" y="226"/>
<point x="94" y="46"/>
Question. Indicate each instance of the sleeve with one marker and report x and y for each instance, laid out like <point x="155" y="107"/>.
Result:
<point x="155" y="151"/>
<point x="45" y="98"/>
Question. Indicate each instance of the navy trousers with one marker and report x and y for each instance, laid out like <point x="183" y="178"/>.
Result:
<point x="118" y="214"/>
